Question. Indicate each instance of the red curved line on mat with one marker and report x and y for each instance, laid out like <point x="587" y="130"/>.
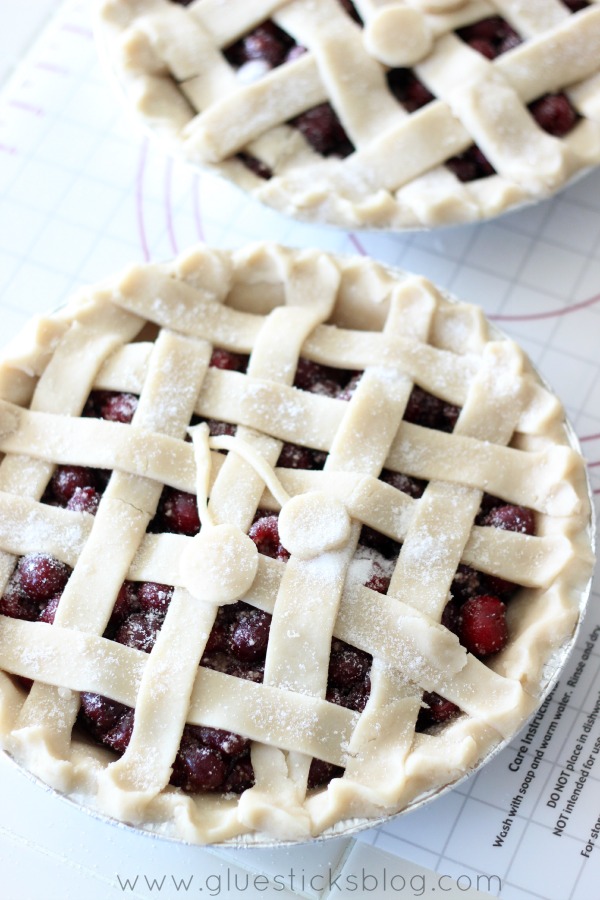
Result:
<point x="139" y="199"/>
<point x="168" y="209"/>
<point x="534" y="317"/>
<point x="592" y="465"/>
<point x="197" y="210"/>
<point x="589" y="437"/>
<point x="357" y="244"/>
<point x="79" y="30"/>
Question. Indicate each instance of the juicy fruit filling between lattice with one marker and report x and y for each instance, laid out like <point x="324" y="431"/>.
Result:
<point x="268" y="46"/>
<point x="210" y="759"/>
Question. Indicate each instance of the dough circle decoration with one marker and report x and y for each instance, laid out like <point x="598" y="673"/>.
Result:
<point x="313" y="523"/>
<point x="398" y="35"/>
<point x="219" y="565"/>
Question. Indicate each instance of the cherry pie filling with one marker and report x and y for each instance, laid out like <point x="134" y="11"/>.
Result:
<point x="268" y="46"/>
<point x="491" y="37"/>
<point x="210" y="759"/>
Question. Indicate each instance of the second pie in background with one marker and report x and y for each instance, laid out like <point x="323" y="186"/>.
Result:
<point x="363" y="115"/>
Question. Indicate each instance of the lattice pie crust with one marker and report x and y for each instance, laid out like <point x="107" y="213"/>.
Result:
<point x="170" y="58"/>
<point x="151" y="332"/>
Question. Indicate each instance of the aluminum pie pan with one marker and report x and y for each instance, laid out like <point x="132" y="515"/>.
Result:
<point x="348" y="828"/>
<point x="166" y="139"/>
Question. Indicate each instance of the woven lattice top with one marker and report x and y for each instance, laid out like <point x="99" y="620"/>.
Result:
<point x="390" y="115"/>
<point x="151" y="334"/>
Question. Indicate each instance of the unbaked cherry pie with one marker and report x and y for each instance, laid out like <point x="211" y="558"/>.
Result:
<point x="286" y="540"/>
<point x="399" y="114"/>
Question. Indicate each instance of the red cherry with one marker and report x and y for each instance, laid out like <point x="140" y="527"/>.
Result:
<point x="265" y="534"/>
<point x="250" y="637"/>
<point x="180" y="512"/>
<point x="322" y="772"/>
<point x="16" y="604"/>
<point x="226" y="359"/>
<point x="49" y="612"/>
<point x="140" y="631"/>
<point x="347" y="665"/>
<point x="482" y="628"/>
<point x="435" y="711"/>
<point x="323" y="131"/>
<point x="555" y="114"/>
<point x="67" y="479"/>
<point x="153" y="596"/>
<point x="117" y="407"/>
<point x="41" y="576"/>
<point x="197" y="767"/>
<point x="241" y="776"/>
<point x="84" y="499"/>
<point x="511" y="518"/>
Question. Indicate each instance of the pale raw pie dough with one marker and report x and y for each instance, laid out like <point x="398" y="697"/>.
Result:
<point x="168" y="59"/>
<point x="151" y="332"/>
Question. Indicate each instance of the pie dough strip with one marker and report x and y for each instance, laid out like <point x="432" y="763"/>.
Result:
<point x="263" y="713"/>
<point x="572" y="47"/>
<point x="427" y="564"/>
<point x="230" y="123"/>
<point x="96" y="443"/>
<point x="297" y="660"/>
<point x="487" y="130"/>
<point x="230" y="21"/>
<point x="161" y="709"/>
<point x="84" y="345"/>
<point x="188" y="311"/>
<point x="291" y="644"/>
<point x="417" y="451"/>
<point x="533" y="18"/>
<point x="115" y="670"/>
<point x="485" y="103"/>
<point x="332" y="38"/>
<point x="361" y="194"/>
<point x="125" y="369"/>
<point x="153" y="293"/>
<point x="419" y="649"/>
<point x="265" y="799"/>
<point x="183" y="46"/>
<point x="358" y="448"/>
<point x="313" y="420"/>
<point x="502" y="471"/>
<point x="58" y="389"/>
<point x="424" y="570"/>
<point x="130" y="783"/>
<point x="120" y="523"/>
<point x="238" y="488"/>
<point x="486" y="108"/>
<point x="64" y="384"/>
<point x="394" y="698"/>
<point x="529" y="561"/>
<point x="445" y="374"/>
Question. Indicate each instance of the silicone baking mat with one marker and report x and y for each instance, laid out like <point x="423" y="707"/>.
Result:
<point x="82" y="193"/>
